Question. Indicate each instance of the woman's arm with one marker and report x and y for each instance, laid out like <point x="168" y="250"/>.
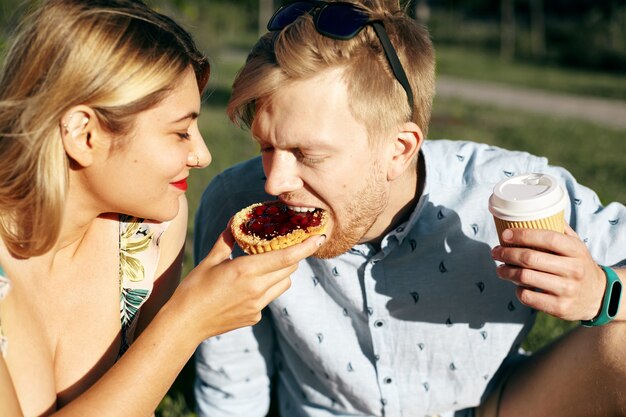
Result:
<point x="219" y="295"/>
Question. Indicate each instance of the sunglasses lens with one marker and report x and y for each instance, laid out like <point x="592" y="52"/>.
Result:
<point x="341" y="20"/>
<point x="288" y="14"/>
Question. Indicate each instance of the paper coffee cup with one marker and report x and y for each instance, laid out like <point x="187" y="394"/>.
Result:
<point x="528" y="201"/>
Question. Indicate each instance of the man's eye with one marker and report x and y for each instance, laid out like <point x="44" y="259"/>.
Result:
<point x="307" y="159"/>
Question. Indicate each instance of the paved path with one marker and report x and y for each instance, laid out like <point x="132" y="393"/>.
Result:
<point x="611" y="113"/>
<point x="607" y="112"/>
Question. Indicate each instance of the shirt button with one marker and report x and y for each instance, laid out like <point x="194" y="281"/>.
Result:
<point x="377" y="357"/>
<point x="383" y="401"/>
<point x="387" y="380"/>
<point x="379" y="323"/>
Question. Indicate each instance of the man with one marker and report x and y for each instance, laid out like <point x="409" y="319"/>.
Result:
<point x="403" y="311"/>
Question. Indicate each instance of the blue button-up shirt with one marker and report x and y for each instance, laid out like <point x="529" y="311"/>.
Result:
<point x="420" y="327"/>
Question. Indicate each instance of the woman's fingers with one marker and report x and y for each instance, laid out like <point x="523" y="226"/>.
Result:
<point x="234" y="291"/>
<point x="221" y="250"/>
<point x="282" y="258"/>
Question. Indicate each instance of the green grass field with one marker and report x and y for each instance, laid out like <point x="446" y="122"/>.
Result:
<point x="589" y="151"/>
<point x="484" y="66"/>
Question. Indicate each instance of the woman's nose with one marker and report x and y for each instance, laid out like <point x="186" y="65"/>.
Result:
<point x="200" y="156"/>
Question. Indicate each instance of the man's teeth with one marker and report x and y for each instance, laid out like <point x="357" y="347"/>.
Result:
<point x="301" y="209"/>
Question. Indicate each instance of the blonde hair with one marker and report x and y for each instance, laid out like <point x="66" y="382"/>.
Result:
<point x="118" y="57"/>
<point x="376" y="97"/>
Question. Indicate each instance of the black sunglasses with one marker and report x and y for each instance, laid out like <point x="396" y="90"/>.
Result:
<point x="341" y="20"/>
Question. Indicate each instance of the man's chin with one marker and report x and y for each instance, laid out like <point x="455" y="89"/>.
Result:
<point x="333" y="248"/>
<point x="341" y="239"/>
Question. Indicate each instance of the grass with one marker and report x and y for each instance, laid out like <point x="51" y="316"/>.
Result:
<point x="586" y="149"/>
<point x="484" y="66"/>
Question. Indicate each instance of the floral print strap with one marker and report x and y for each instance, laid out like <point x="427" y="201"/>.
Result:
<point x="5" y="286"/>
<point x="139" y="257"/>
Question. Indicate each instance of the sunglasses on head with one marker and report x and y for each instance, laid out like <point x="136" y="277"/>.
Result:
<point x="341" y="20"/>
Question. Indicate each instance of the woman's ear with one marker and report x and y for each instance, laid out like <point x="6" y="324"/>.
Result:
<point x="408" y="142"/>
<point x="78" y="127"/>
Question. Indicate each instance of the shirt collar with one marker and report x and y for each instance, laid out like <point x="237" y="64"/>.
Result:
<point x="402" y="230"/>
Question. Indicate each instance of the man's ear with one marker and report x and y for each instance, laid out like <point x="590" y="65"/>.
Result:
<point x="78" y="127"/>
<point x="407" y="143"/>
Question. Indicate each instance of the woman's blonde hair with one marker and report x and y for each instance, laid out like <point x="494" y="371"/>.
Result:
<point x="376" y="97"/>
<point x="118" y="57"/>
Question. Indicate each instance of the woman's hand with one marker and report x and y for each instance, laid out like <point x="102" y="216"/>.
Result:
<point x="223" y="294"/>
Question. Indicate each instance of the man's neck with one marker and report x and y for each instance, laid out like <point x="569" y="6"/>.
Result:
<point x="404" y="196"/>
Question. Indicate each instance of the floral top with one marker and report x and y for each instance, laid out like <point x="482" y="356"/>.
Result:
<point x="5" y="285"/>
<point x="139" y="257"/>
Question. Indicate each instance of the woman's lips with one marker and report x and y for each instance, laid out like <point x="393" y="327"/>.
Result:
<point x="181" y="184"/>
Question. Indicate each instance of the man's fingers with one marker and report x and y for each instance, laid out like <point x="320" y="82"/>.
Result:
<point x="545" y="240"/>
<point x="530" y="259"/>
<point x="538" y="300"/>
<point x="569" y="231"/>
<point x="529" y="278"/>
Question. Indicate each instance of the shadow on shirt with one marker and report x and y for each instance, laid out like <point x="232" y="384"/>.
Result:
<point x="443" y="273"/>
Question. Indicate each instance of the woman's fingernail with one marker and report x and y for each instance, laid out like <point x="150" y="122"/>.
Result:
<point x="507" y="235"/>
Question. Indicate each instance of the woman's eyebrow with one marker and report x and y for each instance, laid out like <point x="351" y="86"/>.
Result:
<point x="191" y="115"/>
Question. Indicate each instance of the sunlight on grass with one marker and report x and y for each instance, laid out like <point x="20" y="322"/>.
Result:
<point x="587" y="150"/>
<point x="483" y="66"/>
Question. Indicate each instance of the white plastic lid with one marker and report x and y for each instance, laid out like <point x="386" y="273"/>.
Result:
<point x="527" y="197"/>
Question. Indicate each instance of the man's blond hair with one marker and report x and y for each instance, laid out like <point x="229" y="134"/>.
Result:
<point x="376" y="98"/>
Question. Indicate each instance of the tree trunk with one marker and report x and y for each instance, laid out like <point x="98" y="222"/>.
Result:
<point x="266" y="8"/>
<point x="507" y="30"/>
<point x="421" y="11"/>
<point x="537" y="28"/>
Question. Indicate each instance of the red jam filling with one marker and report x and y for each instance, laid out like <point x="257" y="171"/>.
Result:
<point x="269" y="221"/>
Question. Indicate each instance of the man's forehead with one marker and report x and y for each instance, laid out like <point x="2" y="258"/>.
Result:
<point x="286" y="131"/>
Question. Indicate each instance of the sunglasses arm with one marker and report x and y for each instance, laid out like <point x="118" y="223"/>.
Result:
<point x="394" y="61"/>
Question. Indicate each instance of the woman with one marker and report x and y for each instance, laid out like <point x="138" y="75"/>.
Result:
<point x="98" y="130"/>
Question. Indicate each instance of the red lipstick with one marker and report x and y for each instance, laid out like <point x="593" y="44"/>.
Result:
<point x="180" y="184"/>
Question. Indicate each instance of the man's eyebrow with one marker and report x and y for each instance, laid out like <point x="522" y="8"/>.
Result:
<point x="191" y="115"/>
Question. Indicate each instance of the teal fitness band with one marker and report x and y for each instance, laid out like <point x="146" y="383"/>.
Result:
<point x="610" y="302"/>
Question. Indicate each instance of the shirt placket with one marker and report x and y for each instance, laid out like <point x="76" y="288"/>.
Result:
<point x="382" y="339"/>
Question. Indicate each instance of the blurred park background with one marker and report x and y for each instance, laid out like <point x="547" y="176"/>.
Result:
<point x="543" y="76"/>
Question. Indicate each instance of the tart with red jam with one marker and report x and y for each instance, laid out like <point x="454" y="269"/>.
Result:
<point x="272" y="225"/>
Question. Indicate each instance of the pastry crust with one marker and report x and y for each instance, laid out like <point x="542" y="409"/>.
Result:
<point x="252" y="243"/>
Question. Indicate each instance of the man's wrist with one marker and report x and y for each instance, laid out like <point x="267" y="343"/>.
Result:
<point x="610" y="301"/>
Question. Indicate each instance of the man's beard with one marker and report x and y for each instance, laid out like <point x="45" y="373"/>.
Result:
<point x="357" y="217"/>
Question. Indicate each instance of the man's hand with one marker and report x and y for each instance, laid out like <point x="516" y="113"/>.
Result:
<point x="554" y="272"/>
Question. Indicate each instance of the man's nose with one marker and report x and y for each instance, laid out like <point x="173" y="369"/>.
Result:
<point x="281" y="170"/>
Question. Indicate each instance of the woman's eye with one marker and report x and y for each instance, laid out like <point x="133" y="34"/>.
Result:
<point x="183" y="135"/>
